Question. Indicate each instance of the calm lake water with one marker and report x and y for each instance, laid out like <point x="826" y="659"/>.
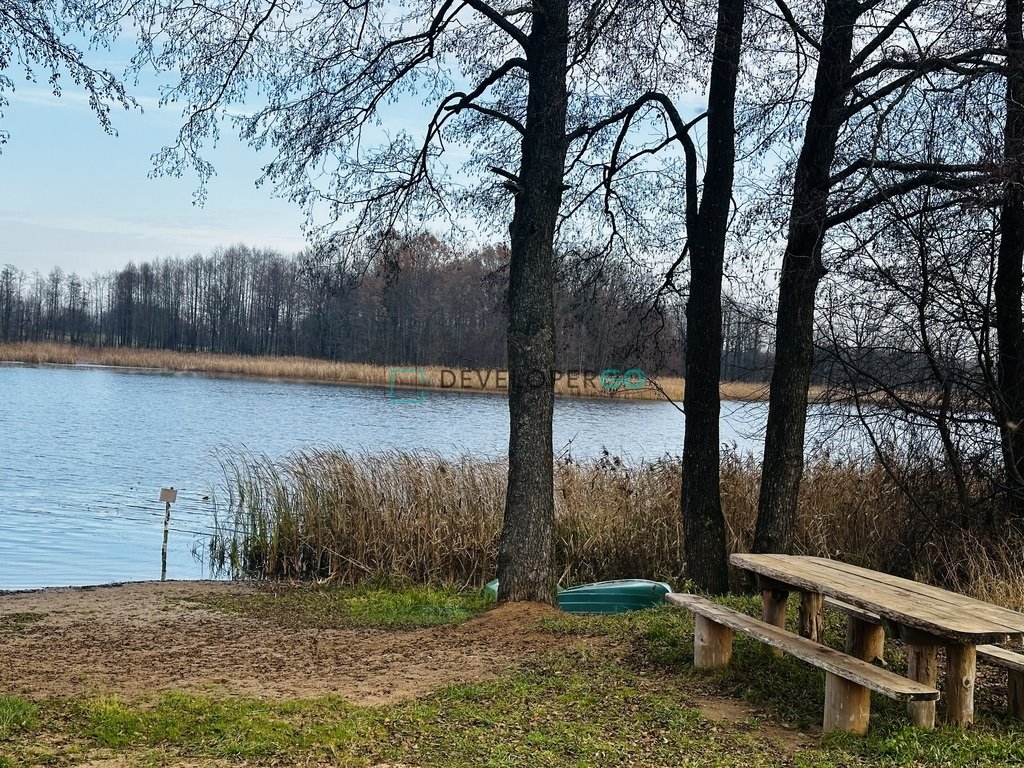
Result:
<point x="85" y="451"/>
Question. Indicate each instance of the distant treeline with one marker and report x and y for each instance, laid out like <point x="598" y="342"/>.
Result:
<point x="418" y="302"/>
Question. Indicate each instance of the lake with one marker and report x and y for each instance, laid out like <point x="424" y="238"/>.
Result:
<point x="84" y="452"/>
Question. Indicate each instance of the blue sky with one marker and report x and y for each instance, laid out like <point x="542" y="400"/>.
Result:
<point x="74" y="197"/>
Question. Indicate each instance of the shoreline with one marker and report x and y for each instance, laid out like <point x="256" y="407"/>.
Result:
<point x="315" y="371"/>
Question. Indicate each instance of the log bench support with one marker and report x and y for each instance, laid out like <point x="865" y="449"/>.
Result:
<point x="773" y="605"/>
<point x="865" y="640"/>
<point x="1013" y="663"/>
<point x="922" y="665"/>
<point x="961" y="669"/>
<point x="774" y="598"/>
<point x="712" y="644"/>
<point x="848" y="680"/>
<point x="1015" y="694"/>
<point x="812" y="616"/>
<point x="847" y="706"/>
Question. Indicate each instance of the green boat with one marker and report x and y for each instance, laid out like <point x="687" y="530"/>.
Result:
<point x="616" y="596"/>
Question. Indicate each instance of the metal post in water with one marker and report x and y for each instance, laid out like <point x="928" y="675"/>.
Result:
<point x="168" y="496"/>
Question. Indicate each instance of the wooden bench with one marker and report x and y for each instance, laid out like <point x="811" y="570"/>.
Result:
<point x="848" y="680"/>
<point x="924" y="617"/>
<point x="1011" y="661"/>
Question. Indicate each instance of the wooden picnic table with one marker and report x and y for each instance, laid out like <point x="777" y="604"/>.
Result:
<point x="922" y="616"/>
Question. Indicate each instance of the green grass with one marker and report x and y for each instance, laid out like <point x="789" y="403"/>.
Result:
<point x="627" y="698"/>
<point x="572" y="708"/>
<point x="16" y="715"/>
<point x="370" y="605"/>
<point x="567" y="709"/>
<point x="108" y="721"/>
<point x="19" y="622"/>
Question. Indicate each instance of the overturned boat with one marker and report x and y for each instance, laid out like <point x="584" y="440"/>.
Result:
<point x="617" y="596"/>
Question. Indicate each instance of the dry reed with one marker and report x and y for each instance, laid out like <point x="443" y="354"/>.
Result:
<point x="420" y="517"/>
<point x="360" y="374"/>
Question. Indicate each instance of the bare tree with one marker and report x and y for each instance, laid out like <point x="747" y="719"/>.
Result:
<point x="35" y="36"/>
<point x="1009" y="274"/>
<point x="707" y="221"/>
<point x="869" y="57"/>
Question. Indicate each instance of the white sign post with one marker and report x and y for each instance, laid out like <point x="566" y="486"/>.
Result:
<point x="168" y="496"/>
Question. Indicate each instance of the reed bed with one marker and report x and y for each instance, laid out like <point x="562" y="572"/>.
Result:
<point x="401" y="378"/>
<point x="346" y="518"/>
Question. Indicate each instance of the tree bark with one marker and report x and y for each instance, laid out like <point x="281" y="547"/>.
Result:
<point x="1009" y="328"/>
<point x="703" y="523"/>
<point x="802" y="269"/>
<point x="526" y="555"/>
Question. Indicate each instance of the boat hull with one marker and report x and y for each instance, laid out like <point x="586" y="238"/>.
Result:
<point x="607" y="597"/>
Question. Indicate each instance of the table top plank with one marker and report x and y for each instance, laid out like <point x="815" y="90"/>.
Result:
<point x="997" y="615"/>
<point x="921" y="606"/>
<point x="900" y="594"/>
<point x="896" y="594"/>
<point x="894" y="603"/>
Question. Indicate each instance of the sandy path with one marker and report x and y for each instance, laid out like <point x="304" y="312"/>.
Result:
<point x="137" y="638"/>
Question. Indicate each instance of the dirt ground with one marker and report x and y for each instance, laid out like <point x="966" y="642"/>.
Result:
<point x="134" y="639"/>
<point x="137" y="639"/>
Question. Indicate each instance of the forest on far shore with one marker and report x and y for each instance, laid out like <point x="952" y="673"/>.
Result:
<point x="419" y="302"/>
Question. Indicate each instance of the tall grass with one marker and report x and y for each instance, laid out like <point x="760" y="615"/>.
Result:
<point x="332" y="515"/>
<point x="401" y="377"/>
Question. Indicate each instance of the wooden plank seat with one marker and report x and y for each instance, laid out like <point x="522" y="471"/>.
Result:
<point x="848" y="680"/>
<point x="1003" y="658"/>
<point x="1013" y="663"/>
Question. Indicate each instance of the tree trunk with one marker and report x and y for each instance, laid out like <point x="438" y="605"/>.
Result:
<point x="801" y="271"/>
<point x="704" y="526"/>
<point x="1009" y="329"/>
<point x="526" y="557"/>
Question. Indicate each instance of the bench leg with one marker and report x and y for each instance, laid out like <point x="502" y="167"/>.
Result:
<point x="1015" y="694"/>
<point x="773" y="607"/>
<point x="812" y="615"/>
<point x="773" y="611"/>
<point x="961" y="670"/>
<point x="864" y="640"/>
<point x="712" y="644"/>
<point x="922" y="667"/>
<point x="847" y="706"/>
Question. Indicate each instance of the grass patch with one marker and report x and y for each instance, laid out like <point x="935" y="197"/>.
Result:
<point x="109" y="722"/>
<point x="566" y="709"/>
<point x="369" y="605"/>
<point x="16" y="715"/>
<point x="201" y="726"/>
<point x="630" y="700"/>
<point x="19" y="622"/>
<point x="573" y="708"/>
<point x="893" y="742"/>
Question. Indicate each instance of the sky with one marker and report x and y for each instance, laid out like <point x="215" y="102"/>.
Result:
<point x="73" y="196"/>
